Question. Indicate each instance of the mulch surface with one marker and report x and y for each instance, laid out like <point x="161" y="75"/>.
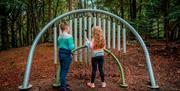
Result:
<point x="165" y="62"/>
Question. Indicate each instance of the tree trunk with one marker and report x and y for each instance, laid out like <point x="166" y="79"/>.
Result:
<point x="20" y="31"/>
<point x="178" y="28"/>
<point x="80" y="4"/>
<point x="132" y="10"/>
<point x="85" y="4"/>
<point x="13" y="38"/>
<point x="122" y="9"/>
<point x="157" y="28"/>
<point x="140" y="9"/>
<point x="28" y="23"/>
<point x="92" y="3"/>
<point x="4" y="29"/>
<point x="178" y="32"/>
<point x="43" y="19"/>
<point x="48" y="36"/>
<point x="70" y="5"/>
<point x="56" y="8"/>
<point x="166" y="21"/>
<point x="20" y="37"/>
<point x="36" y="19"/>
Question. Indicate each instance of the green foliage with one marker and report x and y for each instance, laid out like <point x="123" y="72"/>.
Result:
<point x="24" y="18"/>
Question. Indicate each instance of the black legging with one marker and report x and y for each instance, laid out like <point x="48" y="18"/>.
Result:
<point x="99" y="60"/>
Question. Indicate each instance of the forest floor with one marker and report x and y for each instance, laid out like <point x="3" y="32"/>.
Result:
<point x="165" y="62"/>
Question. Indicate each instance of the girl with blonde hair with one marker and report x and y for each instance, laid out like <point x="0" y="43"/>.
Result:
<point x="97" y="45"/>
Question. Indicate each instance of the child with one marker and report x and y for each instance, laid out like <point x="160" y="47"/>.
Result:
<point x="65" y="45"/>
<point x="97" y="44"/>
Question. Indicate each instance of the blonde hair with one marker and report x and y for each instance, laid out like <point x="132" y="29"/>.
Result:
<point x="98" y="39"/>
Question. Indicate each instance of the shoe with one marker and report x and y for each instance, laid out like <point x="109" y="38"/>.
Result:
<point x="62" y="89"/>
<point x="67" y="85"/>
<point x="91" y="85"/>
<point x="68" y="89"/>
<point x="103" y="84"/>
<point x="65" y="89"/>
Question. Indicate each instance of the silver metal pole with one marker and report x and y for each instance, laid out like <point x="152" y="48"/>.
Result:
<point x="94" y="21"/>
<point x="89" y="32"/>
<point x="71" y="27"/>
<point x="124" y="40"/>
<point x="99" y="21"/>
<point x="114" y="35"/>
<point x="85" y="36"/>
<point x="80" y="37"/>
<point x="89" y="27"/>
<point x="75" y="36"/>
<point x="104" y="29"/>
<point x="60" y="32"/>
<point x="109" y="34"/>
<point x="119" y="37"/>
<point x="55" y="45"/>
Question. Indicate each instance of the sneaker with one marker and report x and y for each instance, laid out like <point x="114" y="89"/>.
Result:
<point x="68" y="89"/>
<point x="65" y="89"/>
<point x="91" y="85"/>
<point x="67" y="85"/>
<point x="103" y="84"/>
<point x="62" y="89"/>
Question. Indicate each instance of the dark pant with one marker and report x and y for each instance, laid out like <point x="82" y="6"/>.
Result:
<point x="65" y="62"/>
<point x="97" y="61"/>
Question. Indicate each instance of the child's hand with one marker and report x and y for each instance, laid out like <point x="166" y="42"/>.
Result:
<point x="87" y="40"/>
<point x="87" y="43"/>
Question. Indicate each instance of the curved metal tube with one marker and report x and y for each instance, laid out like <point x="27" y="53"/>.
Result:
<point x="123" y="84"/>
<point x="26" y="84"/>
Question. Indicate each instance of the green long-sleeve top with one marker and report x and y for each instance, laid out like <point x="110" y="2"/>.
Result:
<point x="65" y="41"/>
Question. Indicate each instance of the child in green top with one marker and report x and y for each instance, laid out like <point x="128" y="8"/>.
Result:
<point x="65" y="45"/>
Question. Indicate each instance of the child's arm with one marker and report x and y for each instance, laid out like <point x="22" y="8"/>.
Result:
<point x="92" y="43"/>
<point x="88" y="43"/>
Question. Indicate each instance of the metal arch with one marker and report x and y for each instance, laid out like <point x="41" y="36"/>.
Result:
<point x="26" y="84"/>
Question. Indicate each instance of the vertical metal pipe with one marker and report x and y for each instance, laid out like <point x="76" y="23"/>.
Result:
<point x="99" y="21"/>
<point x="75" y="36"/>
<point x="55" y="45"/>
<point x="89" y="28"/>
<point x="95" y="21"/>
<point x="124" y="40"/>
<point x="85" y="36"/>
<point x="114" y="35"/>
<point x="57" y="79"/>
<point x="109" y="34"/>
<point x="60" y="32"/>
<point x="71" y="27"/>
<point x="119" y="37"/>
<point x="104" y="29"/>
<point x="80" y="37"/>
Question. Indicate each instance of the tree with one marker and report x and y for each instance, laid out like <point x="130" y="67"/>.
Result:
<point x="3" y="27"/>
<point x="133" y="10"/>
